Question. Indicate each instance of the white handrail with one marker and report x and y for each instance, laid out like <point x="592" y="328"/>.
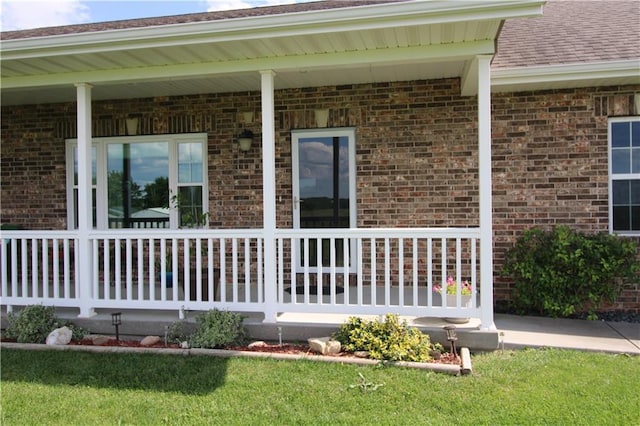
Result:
<point x="353" y="271"/>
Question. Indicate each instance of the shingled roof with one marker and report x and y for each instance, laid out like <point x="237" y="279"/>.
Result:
<point x="572" y="32"/>
<point x="189" y="18"/>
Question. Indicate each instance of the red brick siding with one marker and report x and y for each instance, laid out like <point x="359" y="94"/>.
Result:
<point x="416" y="155"/>
<point x="550" y="165"/>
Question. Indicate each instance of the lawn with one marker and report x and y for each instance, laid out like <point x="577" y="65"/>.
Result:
<point x="524" y="387"/>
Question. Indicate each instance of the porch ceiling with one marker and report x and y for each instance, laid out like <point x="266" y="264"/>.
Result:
<point x="376" y="43"/>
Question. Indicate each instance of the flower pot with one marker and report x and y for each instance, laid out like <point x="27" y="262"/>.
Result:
<point x="451" y="303"/>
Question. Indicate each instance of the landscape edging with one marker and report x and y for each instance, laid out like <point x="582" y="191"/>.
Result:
<point x="451" y="369"/>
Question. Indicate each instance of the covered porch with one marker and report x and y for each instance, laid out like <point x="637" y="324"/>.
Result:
<point x="355" y="270"/>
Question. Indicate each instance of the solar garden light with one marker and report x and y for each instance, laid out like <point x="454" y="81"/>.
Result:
<point x="451" y="337"/>
<point x="116" y="320"/>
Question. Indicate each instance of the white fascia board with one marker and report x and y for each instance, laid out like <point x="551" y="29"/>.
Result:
<point x="569" y="72"/>
<point x="433" y="53"/>
<point x="285" y="25"/>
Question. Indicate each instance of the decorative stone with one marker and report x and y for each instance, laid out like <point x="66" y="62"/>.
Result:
<point x="184" y="345"/>
<point x="324" y="345"/>
<point x="258" y="344"/>
<point x="60" y="336"/>
<point x="361" y="354"/>
<point x="150" y="341"/>
<point x="98" y="339"/>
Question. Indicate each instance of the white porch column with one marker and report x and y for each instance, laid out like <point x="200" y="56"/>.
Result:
<point x="85" y="221"/>
<point x="485" y="192"/>
<point x="269" y="195"/>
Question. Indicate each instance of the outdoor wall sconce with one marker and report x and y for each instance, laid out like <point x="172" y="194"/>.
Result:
<point x="132" y="126"/>
<point x="322" y="117"/>
<point x="116" y="320"/>
<point x="245" y="139"/>
<point x="452" y="337"/>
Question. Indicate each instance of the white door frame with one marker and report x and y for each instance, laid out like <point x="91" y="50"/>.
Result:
<point x="350" y="134"/>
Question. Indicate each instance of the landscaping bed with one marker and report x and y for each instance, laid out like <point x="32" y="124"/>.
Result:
<point x="260" y="347"/>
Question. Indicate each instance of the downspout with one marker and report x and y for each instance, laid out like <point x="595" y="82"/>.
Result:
<point x="85" y="220"/>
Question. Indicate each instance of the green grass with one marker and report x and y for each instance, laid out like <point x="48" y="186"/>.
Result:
<point x="525" y="387"/>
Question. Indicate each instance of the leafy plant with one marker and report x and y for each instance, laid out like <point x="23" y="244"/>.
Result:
<point x="387" y="340"/>
<point x="365" y="385"/>
<point x="178" y="332"/>
<point x="34" y="323"/>
<point x="191" y="215"/>
<point x="216" y="329"/>
<point x="452" y="287"/>
<point x="559" y="272"/>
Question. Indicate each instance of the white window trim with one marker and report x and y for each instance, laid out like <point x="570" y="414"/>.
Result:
<point x="101" y="144"/>
<point x="618" y="176"/>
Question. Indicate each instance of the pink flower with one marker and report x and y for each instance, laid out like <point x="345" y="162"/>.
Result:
<point x="452" y="287"/>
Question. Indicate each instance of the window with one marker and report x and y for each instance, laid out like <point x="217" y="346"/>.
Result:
<point x="624" y="175"/>
<point x="144" y="181"/>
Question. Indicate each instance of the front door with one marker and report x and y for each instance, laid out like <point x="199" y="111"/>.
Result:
<point x="324" y="189"/>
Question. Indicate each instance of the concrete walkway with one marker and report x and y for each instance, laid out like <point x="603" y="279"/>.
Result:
<point x="602" y="336"/>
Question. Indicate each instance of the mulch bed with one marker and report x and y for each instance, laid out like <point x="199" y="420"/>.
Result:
<point x="285" y="348"/>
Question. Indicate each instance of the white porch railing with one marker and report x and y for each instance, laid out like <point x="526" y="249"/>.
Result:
<point x="362" y="271"/>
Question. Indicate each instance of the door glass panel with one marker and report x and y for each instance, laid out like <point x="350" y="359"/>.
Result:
<point x="138" y="185"/>
<point x="324" y="182"/>
<point x="323" y="193"/>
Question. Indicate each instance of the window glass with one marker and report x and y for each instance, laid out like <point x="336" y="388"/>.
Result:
<point x="134" y="179"/>
<point x="189" y="162"/>
<point x="635" y="133"/>
<point x="625" y="175"/>
<point x="138" y="185"/>
<point x="620" y="160"/>
<point x="94" y="156"/>
<point x="620" y="135"/>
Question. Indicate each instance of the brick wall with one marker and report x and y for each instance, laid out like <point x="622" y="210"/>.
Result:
<point x="550" y="165"/>
<point x="416" y="155"/>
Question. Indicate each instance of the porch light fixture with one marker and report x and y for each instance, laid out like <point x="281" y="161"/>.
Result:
<point x="116" y="320"/>
<point x="322" y="117"/>
<point x="245" y="139"/>
<point x="451" y="337"/>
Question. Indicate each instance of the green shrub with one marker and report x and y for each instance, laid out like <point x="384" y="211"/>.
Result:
<point x="178" y="332"/>
<point x="559" y="272"/>
<point x="34" y="323"/>
<point x="217" y="329"/>
<point x="387" y="340"/>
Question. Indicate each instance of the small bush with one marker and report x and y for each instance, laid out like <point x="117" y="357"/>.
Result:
<point x="560" y="272"/>
<point x="34" y="323"/>
<point x="217" y="329"/>
<point x="387" y="340"/>
<point x="178" y="332"/>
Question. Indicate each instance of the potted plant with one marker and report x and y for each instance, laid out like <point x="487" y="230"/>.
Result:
<point x="189" y="216"/>
<point x="450" y="292"/>
<point x="168" y="273"/>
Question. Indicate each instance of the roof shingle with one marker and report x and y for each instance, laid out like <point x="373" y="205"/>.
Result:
<point x="189" y="18"/>
<point x="571" y="32"/>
